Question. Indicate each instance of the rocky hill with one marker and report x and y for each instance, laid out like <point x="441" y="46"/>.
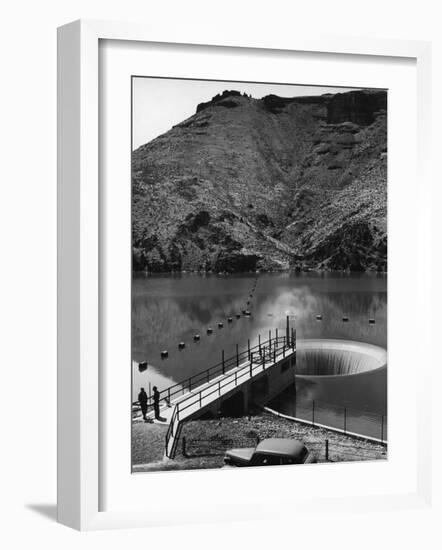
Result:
<point x="272" y="183"/>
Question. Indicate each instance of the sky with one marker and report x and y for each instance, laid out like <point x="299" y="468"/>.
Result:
<point x="160" y="103"/>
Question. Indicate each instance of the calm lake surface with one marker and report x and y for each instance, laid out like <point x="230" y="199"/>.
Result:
<point x="169" y="309"/>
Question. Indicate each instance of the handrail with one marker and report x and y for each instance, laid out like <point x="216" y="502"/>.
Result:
<point x="248" y="368"/>
<point x="206" y="375"/>
<point x="227" y="380"/>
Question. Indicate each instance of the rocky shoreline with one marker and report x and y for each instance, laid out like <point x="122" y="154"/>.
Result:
<point x="254" y="272"/>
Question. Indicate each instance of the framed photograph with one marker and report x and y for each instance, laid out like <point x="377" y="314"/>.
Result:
<point x="234" y="250"/>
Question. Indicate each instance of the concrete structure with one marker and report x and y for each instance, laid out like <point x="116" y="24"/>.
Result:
<point x="257" y="380"/>
<point x="326" y="357"/>
<point x="261" y="374"/>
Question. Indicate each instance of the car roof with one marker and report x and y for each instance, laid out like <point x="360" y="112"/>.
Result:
<point x="280" y="446"/>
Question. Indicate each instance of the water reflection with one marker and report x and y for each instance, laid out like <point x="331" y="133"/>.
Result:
<point x="169" y="309"/>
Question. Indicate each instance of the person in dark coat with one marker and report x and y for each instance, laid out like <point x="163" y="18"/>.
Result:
<point x="142" y="399"/>
<point x="156" y="402"/>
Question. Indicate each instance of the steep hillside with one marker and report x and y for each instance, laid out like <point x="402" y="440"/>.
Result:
<point x="275" y="183"/>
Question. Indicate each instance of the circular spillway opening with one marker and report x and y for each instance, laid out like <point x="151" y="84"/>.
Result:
<point x="327" y="357"/>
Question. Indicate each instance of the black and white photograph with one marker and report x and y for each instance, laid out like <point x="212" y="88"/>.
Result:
<point x="221" y="267"/>
<point x="259" y="274"/>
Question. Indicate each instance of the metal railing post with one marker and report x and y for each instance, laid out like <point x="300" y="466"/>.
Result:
<point x="283" y="346"/>
<point x="237" y="355"/>
<point x="223" y="361"/>
<point x="248" y="348"/>
<point x="201" y="401"/>
<point x="259" y="343"/>
<point x="264" y="358"/>
<point x="219" y="387"/>
<point x="326" y="449"/>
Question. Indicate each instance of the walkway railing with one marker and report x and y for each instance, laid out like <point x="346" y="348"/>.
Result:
<point x="256" y="360"/>
<point x="219" y="369"/>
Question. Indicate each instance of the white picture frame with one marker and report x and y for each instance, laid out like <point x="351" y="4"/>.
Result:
<point x="79" y="292"/>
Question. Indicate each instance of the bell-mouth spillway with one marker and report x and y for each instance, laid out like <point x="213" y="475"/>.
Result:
<point x="333" y="357"/>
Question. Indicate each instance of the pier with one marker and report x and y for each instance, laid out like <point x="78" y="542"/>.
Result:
<point x="257" y="374"/>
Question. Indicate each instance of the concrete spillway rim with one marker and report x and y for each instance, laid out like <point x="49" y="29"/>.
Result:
<point x="334" y="344"/>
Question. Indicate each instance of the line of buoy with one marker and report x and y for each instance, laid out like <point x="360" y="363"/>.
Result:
<point x="345" y="319"/>
<point x="196" y="337"/>
<point x="247" y="313"/>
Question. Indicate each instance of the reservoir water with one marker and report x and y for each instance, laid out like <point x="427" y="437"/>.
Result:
<point x="169" y="309"/>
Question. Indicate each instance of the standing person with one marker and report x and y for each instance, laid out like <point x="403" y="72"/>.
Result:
<point x="156" y="402"/>
<point x="142" y="399"/>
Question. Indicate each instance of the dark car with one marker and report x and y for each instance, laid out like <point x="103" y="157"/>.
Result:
<point x="270" y="452"/>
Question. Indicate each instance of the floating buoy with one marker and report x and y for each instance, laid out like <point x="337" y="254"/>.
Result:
<point x="230" y="319"/>
<point x="196" y="337"/>
<point x="247" y="313"/>
<point x="142" y="366"/>
<point x="248" y="303"/>
<point x="319" y="317"/>
<point x="345" y="319"/>
<point x="181" y="345"/>
<point x="238" y="315"/>
<point x="209" y="330"/>
<point x="371" y="321"/>
<point x="269" y="314"/>
<point x="220" y="325"/>
<point x="164" y="354"/>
